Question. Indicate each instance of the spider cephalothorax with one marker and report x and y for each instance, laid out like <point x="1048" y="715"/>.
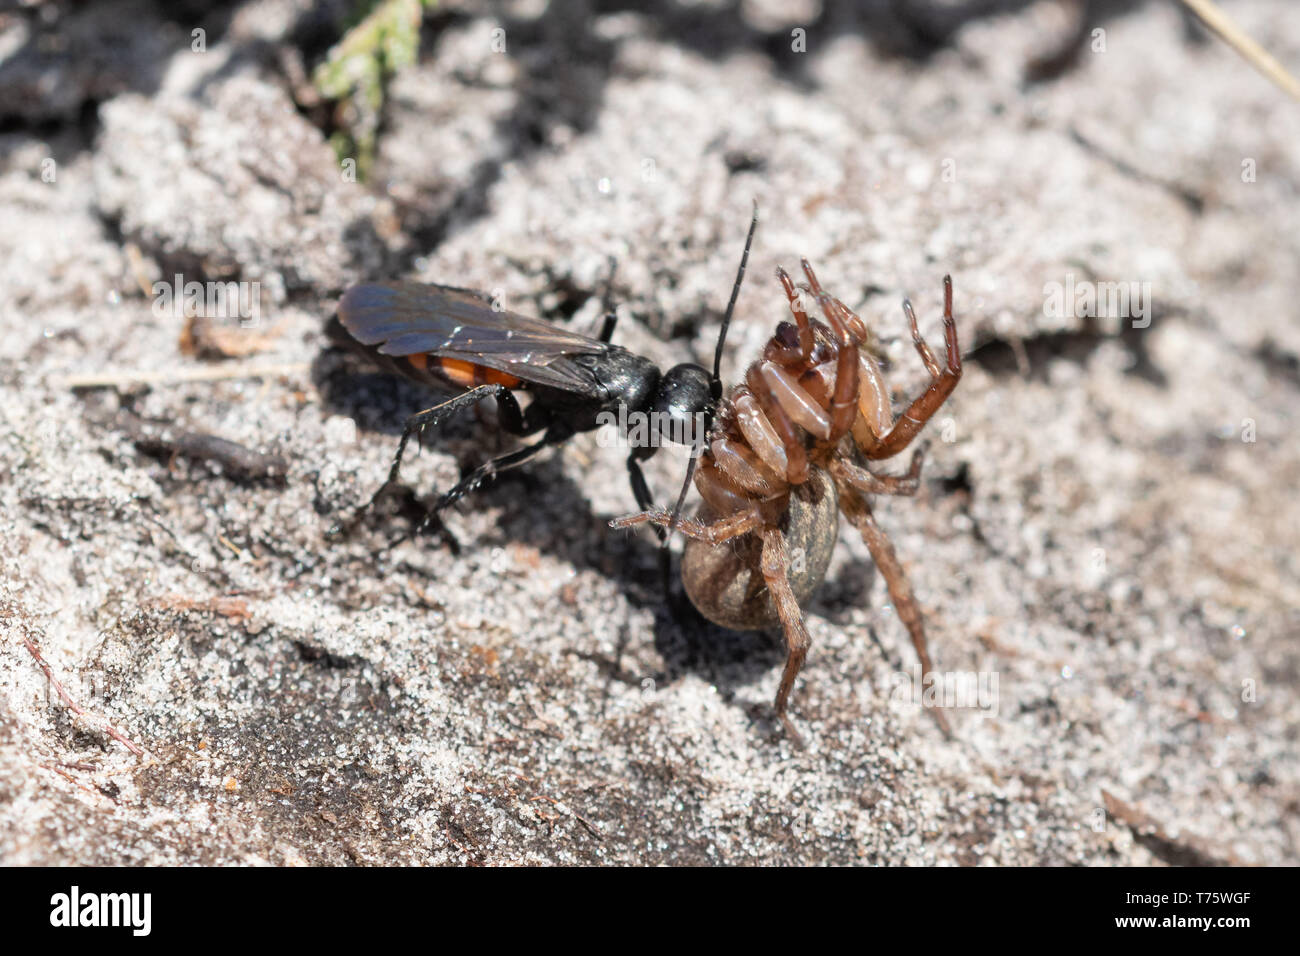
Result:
<point x="787" y="448"/>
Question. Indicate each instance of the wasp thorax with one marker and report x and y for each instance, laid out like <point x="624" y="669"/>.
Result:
<point x="725" y="582"/>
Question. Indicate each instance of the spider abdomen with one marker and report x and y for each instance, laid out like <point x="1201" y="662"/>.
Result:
<point x="725" y="582"/>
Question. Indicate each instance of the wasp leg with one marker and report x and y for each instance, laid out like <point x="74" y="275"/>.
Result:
<point x="607" y="304"/>
<point x="873" y="484"/>
<point x="417" y="423"/>
<point x="512" y="420"/>
<point x="858" y="511"/>
<point x="640" y="488"/>
<point x="645" y="501"/>
<point x="607" y="326"/>
<point x="517" y="422"/>
<point x="489" y="470"/>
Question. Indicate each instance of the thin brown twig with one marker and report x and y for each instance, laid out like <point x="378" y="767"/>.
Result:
<point x="72" y="705"/>
<point x="178" y="376"/>
<point x="1174" y="848"/>
<point x="564" y="808"/>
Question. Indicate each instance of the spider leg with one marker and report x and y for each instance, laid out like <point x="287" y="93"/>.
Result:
<point x="858" y="511"/>
<point x="843" y="407"/>
<point x="873" y="484"/>
<point x="775" y="564"/>
<point x="807" y="341"/>
<point x="786" y="432"/>
<point x="943" y="381"/>
<point x="712" y="532"/>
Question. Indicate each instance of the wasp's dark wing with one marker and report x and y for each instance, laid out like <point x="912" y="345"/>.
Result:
<point x="408" y="318"/>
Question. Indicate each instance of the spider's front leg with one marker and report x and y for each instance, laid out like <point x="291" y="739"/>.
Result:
<point x="943" y="381"/>
<point x="711" y="533"/>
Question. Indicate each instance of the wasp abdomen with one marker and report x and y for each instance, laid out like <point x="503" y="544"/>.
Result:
<point x="459" y="372"/>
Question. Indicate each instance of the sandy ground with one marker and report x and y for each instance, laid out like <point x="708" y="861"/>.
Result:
<point x="1108" y="525"/>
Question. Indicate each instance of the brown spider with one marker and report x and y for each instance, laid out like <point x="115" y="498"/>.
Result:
<point x="786" y="450"/>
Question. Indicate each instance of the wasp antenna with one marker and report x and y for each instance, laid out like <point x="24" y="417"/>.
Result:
<point x="731" y="306"/>
<point x="715" y="385"/>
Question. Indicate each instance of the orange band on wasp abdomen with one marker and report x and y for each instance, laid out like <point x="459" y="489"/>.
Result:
<point x="462" y="373"/>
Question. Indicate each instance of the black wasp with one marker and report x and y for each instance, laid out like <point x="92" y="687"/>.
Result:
<point x="447" y="336"/>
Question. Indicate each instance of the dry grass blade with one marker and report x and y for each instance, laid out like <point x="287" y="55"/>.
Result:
<point x="1234" y="36"/>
